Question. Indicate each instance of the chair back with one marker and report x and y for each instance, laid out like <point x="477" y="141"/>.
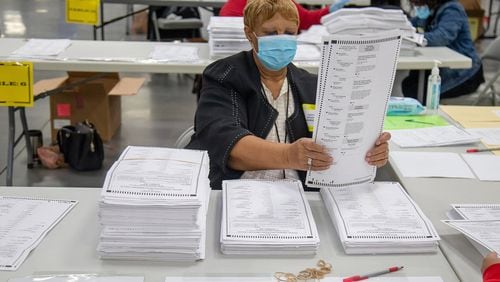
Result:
<point x="184" y="138"/>
<point x="492" y="52"/>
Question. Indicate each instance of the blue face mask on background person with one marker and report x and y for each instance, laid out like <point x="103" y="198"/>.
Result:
<point x="422" y="12"/>
<point x="276" y="51"/>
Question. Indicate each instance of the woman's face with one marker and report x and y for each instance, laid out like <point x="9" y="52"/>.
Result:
<point x="274" y="26"/>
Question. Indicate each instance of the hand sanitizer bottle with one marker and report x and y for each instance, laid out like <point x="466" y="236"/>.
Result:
<point x="433" y="90"/>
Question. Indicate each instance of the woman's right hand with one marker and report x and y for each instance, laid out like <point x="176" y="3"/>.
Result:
<point x="304" y="154"/>
<point x="489" y="260"/>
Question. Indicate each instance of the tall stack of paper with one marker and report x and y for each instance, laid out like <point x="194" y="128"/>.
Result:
<point x="371" y="20"/>
<point x="379" y="217"/>
<point x="480" y="223"/>
<point x="226" y="36"/>
<point x="266" y="217"/>
<point x="153" y="205"/>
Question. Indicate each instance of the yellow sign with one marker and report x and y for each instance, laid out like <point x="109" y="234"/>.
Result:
<point x="82" y="11"/>
<point x="16" y="84"/>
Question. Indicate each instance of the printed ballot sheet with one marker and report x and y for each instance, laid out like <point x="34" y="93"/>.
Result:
<point x="484" y="232"/>
<point x="477" y="211"/>
<point x="154" y="174"/>
<point x="354" y="84"/>
<point x="24" y="222"/>
<point x="42" y="48"/>
<point x="267" y="217"/>
<point x="379" y="217"/>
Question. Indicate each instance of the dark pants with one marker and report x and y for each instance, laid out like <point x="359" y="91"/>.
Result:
<point x="410" y="85"/>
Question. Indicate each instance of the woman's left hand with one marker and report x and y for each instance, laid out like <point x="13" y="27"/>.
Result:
<point x="379" y="154"/>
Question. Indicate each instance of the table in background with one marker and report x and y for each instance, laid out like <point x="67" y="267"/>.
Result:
<point x="434" y="196"/>
<point x="71" y="247"/>
<point x="421" y="59"/>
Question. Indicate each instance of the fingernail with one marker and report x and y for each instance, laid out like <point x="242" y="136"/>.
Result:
<point x="369" y="154"/>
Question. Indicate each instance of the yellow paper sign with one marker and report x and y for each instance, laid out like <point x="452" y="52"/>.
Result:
<point x="82" y="11"/>
<point x="16" y="84"/>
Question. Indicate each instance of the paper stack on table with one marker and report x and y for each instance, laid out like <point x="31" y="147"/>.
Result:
<point x="42" y="48"/>
<point x="372" y="20"/>
<point x="480" y="223"/>
<point x="226" y="36"/>
<point x="379" y="217"/>
<point x="432" y="137"/>
<point x="153" y="205"/>
<point x="266" y="217"/>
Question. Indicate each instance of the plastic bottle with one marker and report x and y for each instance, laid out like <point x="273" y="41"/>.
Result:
<point x="433" y="90"/>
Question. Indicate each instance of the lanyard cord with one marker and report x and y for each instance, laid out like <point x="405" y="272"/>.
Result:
<point x="286" y="116"/>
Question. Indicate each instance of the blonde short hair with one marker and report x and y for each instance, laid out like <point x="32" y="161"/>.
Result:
<point x="258" y="11"/>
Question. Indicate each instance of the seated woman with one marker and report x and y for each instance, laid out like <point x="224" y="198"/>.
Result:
<point x="250" y="116"/>
<point x="234" y="8"/>
<point x="444" y="23"/>
<point x="491" y="268"/>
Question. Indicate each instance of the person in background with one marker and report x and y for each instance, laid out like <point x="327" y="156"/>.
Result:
<point x="234" y="8"/>
<point x="250" y="115"/>
<point x="491" y="268"/>
<point x="444" y="23"/>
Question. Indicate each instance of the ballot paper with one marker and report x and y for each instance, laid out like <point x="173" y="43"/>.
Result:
<point x="484" y="232"/>
<point x="488" y="135"/>
<point x="177" y="53"/>
<point x="24" y="222"/>
<point x="354" y="85"/>
<point x="42" y="48"/>
<point x="477" y="211"/>
<point x="430" y="164"/>
<point x="266" y="217"/>
<point x="154" y="204"/>
<point x="485" y="167"/>
<point x="379" y="217"/>
<point x="432" y="137"/>
<point x="78" y="278"/>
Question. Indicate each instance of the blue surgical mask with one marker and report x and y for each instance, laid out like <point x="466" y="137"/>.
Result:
<point x="276" y="51"/>
<point x="422" y="12"/>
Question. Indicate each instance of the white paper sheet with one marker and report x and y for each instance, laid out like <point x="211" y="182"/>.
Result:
<point x="379" y="212"/>
<point x="260" y="210"/>
<point x="42" y="47"/>
<point x="490" y="136"/>
<point x="432" y="137"/>
<point x="431" y="164"/>
<point x="307" y="52"/>
<point x="484" y="232"/>
<point x="485" y="167"/>
<point x="178" y="53"/>
<point x="478" y="211"/>
<point x="155" y="173"/>
<point x="354" y="84"/>
<point x="24" y="222"/>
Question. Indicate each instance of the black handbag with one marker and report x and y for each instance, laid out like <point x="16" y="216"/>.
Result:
<point x="81" y="146"/>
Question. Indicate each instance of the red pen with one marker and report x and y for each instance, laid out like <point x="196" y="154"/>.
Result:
<point x="482" y="150"/>
<point x="373" y="274"/>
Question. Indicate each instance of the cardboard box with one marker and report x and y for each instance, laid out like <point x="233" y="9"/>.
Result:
<point x="99" y="100"/>
<point x="475" y="23"/>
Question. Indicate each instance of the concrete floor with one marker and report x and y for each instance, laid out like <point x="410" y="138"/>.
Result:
<point x="156" y="116"/>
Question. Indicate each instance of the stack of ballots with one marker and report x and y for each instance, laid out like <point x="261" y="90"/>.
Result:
<point x="372" y="20"/>
<point x="153" y="205"/>
<point x="266" y="217"/>
<point x="378" y="218"/>
<point x="226" y="36"/>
